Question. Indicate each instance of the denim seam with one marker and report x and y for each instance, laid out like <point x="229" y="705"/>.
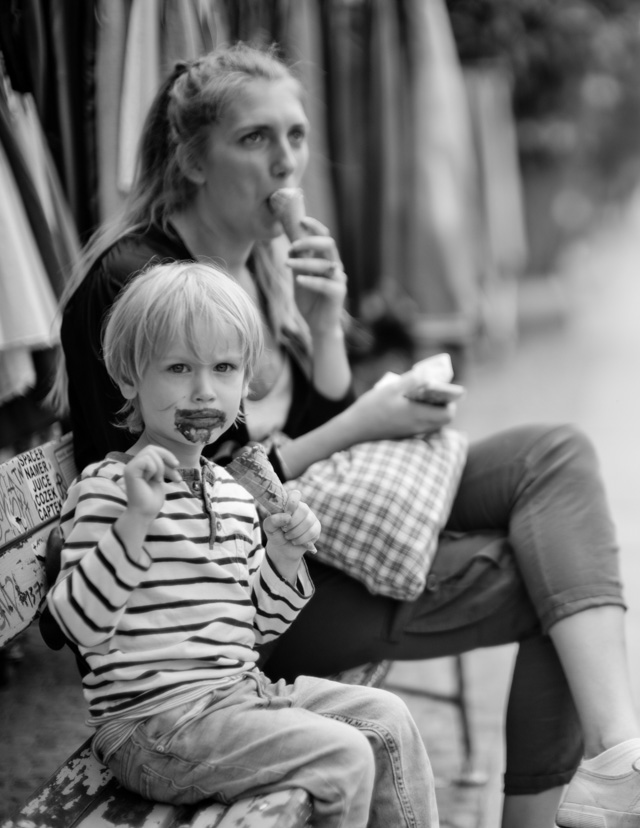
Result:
<point x="393" y="752"/>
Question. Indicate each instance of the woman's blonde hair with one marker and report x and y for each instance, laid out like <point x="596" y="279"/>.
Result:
<point x="194" y="97"/>
<point x="173" y="301"/>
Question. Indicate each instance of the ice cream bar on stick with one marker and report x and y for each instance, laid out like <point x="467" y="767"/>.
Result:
<point x="253" y="471"/>
<point x="287" y="205"/>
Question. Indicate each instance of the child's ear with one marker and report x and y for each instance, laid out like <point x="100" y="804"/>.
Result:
<point x="191" y="167"/>
<point x="128" y="390"/>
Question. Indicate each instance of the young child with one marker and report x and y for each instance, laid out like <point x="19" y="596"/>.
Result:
<point x="167" y="591"/>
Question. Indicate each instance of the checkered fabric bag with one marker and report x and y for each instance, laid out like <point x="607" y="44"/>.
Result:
<point x="382" y="506"/>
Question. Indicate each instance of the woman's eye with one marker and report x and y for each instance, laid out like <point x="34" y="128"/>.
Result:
<point x="297" y="136"/>
<point x="252" y="137"/>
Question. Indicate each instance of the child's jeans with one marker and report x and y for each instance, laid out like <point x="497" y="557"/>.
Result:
<point x="356" y="750"/>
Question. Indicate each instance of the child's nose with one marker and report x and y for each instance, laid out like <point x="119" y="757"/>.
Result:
<point x="204" y="386"/>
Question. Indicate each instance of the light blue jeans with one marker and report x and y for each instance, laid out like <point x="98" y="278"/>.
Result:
<point x="356" y="750"/>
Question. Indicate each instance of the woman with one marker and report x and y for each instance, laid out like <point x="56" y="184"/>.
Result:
<point x="529" y="554"/>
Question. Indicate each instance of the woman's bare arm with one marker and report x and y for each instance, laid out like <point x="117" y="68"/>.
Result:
<point x="380" y="413"/>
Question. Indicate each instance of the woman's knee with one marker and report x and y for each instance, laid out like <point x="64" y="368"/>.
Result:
<point x="573" y="454"/>
<point x="568" y="443"/>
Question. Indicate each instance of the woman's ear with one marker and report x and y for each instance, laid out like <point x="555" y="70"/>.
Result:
<point x="191" y="168"/>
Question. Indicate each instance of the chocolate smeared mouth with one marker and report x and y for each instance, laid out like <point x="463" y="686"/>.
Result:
<point x="198" y="426"/>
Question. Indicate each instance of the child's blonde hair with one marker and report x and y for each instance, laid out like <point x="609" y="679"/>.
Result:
<point x="170" y="301"/>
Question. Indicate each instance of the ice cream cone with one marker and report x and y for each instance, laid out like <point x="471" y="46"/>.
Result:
<point x="287" y="204"/>
<point x="253" y="471"/>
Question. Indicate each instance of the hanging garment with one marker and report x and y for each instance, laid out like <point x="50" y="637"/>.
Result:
<point x="112" y="18"/>
<point x="389" y="179"/>
<point x="73" y="31"/>
<point x="48" y="51"/>
<point x="25" y="47"/>
<point x="214" y="22"/>
<point x="252" y="21"/>
<point x="27" y="302"/>
<point x="183" y="35"/>
<point x="343" y="31"/>
<point x="24" y="416"/>
<point x="141" y="79"/>
<point x="64" y="236"/>
<point x="31" y="205"/>
<point x="490" y="97"/>
<point x="303" y="46"/>
<point x="17" y="374"/>
<point x="442" y="277"/>
<point x="500" y="203"/>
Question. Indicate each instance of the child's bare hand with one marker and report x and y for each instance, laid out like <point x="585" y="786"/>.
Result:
<point x="144" y="476"/>
<point x="289" y="533"/>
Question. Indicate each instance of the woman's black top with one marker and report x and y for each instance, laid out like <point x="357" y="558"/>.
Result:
<point x="94" y="398"/>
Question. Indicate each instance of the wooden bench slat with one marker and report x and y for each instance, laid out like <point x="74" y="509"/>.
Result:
<point x="63" y="799"/>
<point x="84" y="794"/>
<point x="281" y="809"/>
<point x="117" y="807"/>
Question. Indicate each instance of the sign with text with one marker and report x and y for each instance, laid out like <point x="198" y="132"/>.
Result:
<point x="33" y="486"/>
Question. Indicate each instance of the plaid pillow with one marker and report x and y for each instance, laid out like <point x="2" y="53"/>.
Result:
<point x="382" y="506"/>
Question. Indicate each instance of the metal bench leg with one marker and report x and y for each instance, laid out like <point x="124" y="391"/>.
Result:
<point x="470" y="775"/>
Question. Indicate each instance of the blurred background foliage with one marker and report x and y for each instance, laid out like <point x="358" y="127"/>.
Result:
<point x="574" y="68"/>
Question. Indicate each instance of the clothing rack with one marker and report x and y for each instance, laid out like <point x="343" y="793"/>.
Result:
<point x="397" y="152"/>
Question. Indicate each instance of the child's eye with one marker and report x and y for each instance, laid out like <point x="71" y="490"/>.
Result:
<point x="224" y="367"/>
<point x="178" y="368"/>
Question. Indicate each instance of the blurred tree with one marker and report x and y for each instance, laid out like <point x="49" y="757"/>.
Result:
<point x="547" y="46"/>
<point x="574" y="66"/>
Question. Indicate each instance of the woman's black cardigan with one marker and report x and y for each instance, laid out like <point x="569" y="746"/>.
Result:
<point x="95" y="400"/>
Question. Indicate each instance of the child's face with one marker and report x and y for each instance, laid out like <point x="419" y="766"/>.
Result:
<point x="186" y="403"/>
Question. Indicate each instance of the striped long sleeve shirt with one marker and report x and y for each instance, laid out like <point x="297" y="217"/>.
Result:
<point x="189" y="611"/>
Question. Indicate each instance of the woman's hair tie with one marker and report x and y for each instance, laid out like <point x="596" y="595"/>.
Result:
<point x="180" y="68"/>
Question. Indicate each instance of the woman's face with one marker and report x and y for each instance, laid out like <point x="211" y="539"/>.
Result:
<point x="259" y="146"/>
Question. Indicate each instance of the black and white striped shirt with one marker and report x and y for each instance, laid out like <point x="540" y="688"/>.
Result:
<point x="188" y="611"/>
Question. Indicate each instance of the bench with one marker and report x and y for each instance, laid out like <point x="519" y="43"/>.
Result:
<point x="83" y="792"/>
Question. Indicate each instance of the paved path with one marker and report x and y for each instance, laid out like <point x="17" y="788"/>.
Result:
<point x="585" y="371"/>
